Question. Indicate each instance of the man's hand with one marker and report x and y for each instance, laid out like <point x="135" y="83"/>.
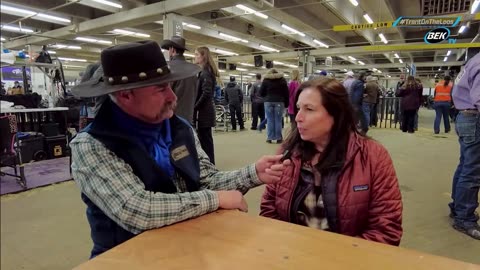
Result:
<point x="232" y="200"/>
<point x="270" y="169"/>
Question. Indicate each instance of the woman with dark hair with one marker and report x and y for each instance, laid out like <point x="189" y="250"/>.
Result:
<point x="339" y="180"/>
<point x="411" y="94"/>
<point x="442" y="102"/>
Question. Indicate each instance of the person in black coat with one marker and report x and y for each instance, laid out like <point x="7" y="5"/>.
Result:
<point x="275" y="91"/>
<point x="204" y="114"/>
<point x="234" y="98"/>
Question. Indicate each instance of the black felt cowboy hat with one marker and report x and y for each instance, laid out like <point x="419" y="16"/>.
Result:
<point x="176" y="42"/>
<point x="132" y="65"/>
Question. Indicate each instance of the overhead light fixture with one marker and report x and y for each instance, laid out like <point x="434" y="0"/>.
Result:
<point x="449" y="52"/>
<point x="63" y="46"/>
<point x="72" y="59"/>
<point x="53" y="18"/>
<point x="320" y="43"/>
<point x="352" y="58"/>
<point x="400" y="60"/>
<point x="396" y="55"/>
<point x="93" y="40"/>
<point x="361" y="63"/>
<point x="389" y="76"/>
<point x="445" y="59"/>
<point x="284" y="64"/>
<point x="382" y="37"/>
<point x="16" y="29"/>
<point x="130" y="33"/>
<point x="73" y="66"/>
<point x="252" y="11"/>
<point x="379" y="71"/>
<point x="292" y="30"/>
<point x="374" y="69"/>
<point x="252" y="74"/>
<point x="474" y="7"/>
<point x="268" y="48"/>
<point x="2" y="39"/>
<point x="190" y="25"/>
<point x="16" y="11"/>
<point x="189" y="55"/>
<point x="220" y="51"/>
<point x="221" y="70"/>
<point x="109" y="3"/>
<point x="462" y="28"/>
<point x="232" y="37"/>
<point x="345" y="70"/>
<point x="367" y="18"/>
<point x="242" y="69"/>
<point x="247" y="64"/>
<point x="354" y="2"/>
<point x="439" y="69"/>
<point x="52" y="52"/>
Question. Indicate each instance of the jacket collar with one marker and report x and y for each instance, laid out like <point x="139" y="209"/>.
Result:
<point x="178" y="58"/>
<point x="355" y="144"/>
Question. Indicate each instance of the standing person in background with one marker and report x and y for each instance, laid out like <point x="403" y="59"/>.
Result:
<point x="186" y="90"/>
<point x="349" y="79"/>
<point x="466" y="181"/>
<point x="217" y="97"/>
<point x="415" y="125"/>
<point x="398" y="108"/>
<point x="292" y="91"/>
<point x="204" y="113"/>
<point x="275" y="90"/>
<point x="374" y="112"/>
<point x="410" y="93"/>
<point x="234" y="98"/>
<point x="370" y="98"/>
<point x="258" y="109"/>
<point x="442" y="102"/>
<point x="356" y="97"/>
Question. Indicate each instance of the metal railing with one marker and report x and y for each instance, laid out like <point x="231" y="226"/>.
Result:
<point x="387" y="113"/>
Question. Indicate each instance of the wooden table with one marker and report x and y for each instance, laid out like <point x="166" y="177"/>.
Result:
<point x="228" y="240"/>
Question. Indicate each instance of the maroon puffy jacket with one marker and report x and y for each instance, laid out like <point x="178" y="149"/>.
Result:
<point x="368" y="199"/>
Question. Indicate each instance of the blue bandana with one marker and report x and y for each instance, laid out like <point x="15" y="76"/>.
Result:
<point x="156" y="138"/>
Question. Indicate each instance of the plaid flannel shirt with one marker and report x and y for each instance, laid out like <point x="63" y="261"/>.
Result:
<point x="112" y="186"/>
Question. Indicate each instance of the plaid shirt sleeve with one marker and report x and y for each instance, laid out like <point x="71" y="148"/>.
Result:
<point x="210" y="178"/>
<point x="111" y="185"/>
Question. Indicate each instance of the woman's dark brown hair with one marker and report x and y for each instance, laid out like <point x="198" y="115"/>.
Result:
<point x="336" y="101"/>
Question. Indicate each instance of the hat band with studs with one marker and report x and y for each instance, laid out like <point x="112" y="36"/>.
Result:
<point x="137" y="77"/>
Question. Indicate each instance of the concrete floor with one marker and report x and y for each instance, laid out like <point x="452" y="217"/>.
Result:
<point x="46" y="228"/>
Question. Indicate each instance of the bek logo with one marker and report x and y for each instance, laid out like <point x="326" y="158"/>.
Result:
<point x="438" y="35"/>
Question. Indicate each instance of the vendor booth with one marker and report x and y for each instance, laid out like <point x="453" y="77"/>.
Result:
<point x="35" y="126"/>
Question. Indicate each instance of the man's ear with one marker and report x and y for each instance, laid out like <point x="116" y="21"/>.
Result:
<point x="124" y="97"/>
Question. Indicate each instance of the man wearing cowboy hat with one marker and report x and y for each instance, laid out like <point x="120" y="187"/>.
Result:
<point x="186" y="89"/>
<point x="138" y="165"/>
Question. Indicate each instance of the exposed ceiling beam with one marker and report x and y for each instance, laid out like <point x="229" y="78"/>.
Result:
<point x="360" y="50"/>
<point x="210" y="30"/>
<point x="275" y="25"/>
<point x="308" y="22"/>
<point x="393" y="65"/>
<point x="136" y="16"/>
